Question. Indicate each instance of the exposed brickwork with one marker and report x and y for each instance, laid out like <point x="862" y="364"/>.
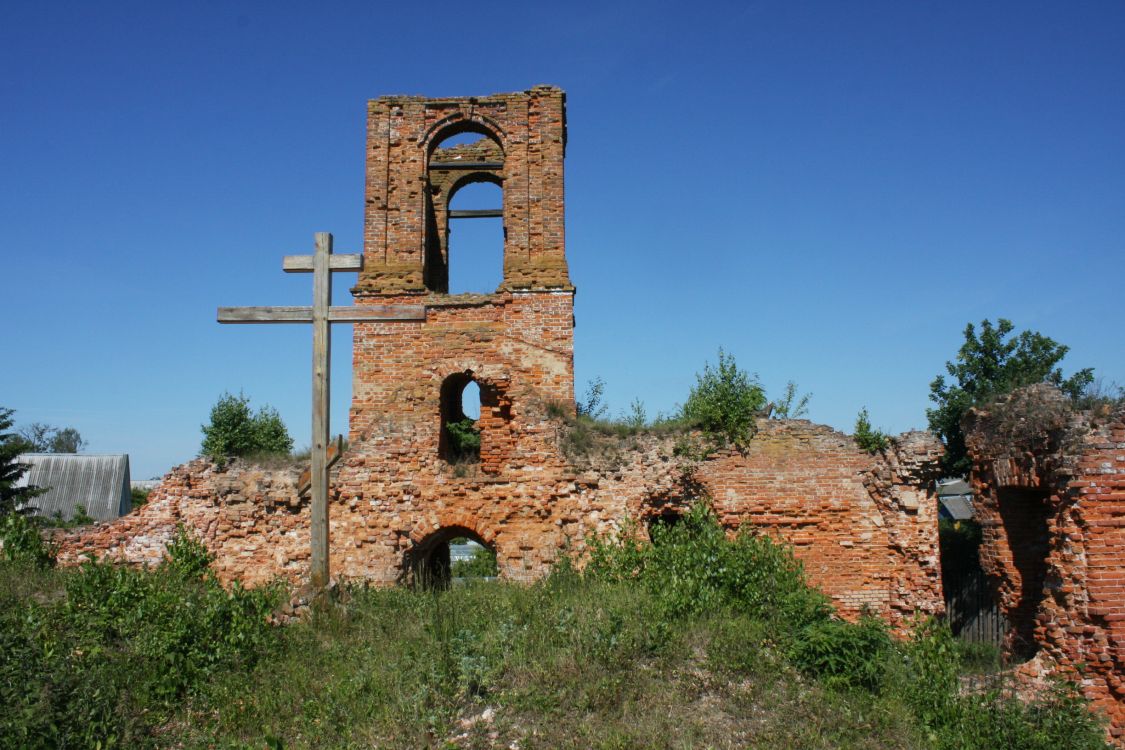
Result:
<point x="404" y="236"/>
<point x="1050" y="484"/>
<point x="863" y="526"/>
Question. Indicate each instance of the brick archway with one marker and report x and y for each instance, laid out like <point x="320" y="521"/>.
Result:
<point x="427" y="561"/>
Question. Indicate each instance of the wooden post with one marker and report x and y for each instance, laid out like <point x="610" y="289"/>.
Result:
<point x="322" y="352"/>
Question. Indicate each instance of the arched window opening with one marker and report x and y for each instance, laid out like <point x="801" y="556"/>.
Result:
<point x="465" y="200"/>
<point x="460" y="433"/>
<point x="451" y="556"/>
<point x="475" y="238"/>
<point x="476" y="424"/>
<point x="1024" y="516"/>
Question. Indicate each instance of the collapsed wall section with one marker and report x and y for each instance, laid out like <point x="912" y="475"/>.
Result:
<point x="864" y="527"/>
<point x="1050" y="489"/>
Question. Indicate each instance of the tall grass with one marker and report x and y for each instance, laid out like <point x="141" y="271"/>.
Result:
<point x="694" y="641"/>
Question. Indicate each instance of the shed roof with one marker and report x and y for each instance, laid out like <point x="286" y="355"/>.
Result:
<point x="954" y="487"/>
<point x="956" y="508"/>
<point x="100" y="483"/>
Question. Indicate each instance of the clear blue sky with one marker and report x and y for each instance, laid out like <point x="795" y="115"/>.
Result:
<point x="828" y="190"/>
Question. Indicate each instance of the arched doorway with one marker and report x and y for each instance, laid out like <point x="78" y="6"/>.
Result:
<point x="451" y="555"/>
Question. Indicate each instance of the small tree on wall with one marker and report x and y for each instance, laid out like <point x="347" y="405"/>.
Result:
<point x="725" y="401"/>
<point x="235" y="431"/>
<point x="989" y="365"/>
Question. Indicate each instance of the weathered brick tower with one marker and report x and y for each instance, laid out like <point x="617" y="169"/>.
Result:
<point x="515" y="343"/>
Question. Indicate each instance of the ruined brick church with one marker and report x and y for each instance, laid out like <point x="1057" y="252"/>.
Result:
<point x="864" y="526"/>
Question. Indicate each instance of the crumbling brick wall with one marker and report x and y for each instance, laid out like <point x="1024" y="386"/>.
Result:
<point x="1050" y="488"/>
<point x="401" y="229"/>
<point x="863" y="526"/>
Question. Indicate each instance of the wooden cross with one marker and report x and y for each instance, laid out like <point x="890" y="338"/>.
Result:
<point x="321" y="264"/>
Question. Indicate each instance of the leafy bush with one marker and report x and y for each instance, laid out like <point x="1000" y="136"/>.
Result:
<point x="98" y="656"/>
<point x="844" y="654"/>
<point x="725" y="401"/>
<point x="868" y="438"/>
<point x="234" y="431"/>
<point x="926" y="678"/>
<point x="22" y="542"/>
<point x="692" y="567"/>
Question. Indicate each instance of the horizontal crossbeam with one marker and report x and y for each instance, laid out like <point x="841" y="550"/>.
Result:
<point x="466" y="165"/>
<point x="304" y="263"/>
<point x="336" y="314"/>
<point x="484" y="213"/>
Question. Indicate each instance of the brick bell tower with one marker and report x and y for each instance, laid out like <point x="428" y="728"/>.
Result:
<point x="515" y="343"/>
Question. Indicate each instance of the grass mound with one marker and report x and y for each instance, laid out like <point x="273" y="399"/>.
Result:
<point x="692" y="641"/>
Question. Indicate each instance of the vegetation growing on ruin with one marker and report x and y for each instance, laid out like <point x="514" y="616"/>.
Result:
<point x="234" y="431"/>
<point x="722" y="409"/>
<point x="692" y="640"/>
<point x="867" y="437"/>
<point x="791" y="405"/>
<point x="990" y="365"/>
<point x="725" y="402"/>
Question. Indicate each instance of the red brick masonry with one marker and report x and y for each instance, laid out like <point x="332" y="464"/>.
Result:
<point x="1050" y="487"/>
<point x="864" y="527"/>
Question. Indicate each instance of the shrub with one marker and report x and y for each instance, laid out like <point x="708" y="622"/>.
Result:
<point x="187" y="556"/>
<point x="22" y="542"/>
<point x="692" y="567"/>
<point x="234" y="431"/>
<point x="868" y="438"/>
<point x="725" y="401"/>
<point x="843" y="654"/>
<point x="102" y="655"/>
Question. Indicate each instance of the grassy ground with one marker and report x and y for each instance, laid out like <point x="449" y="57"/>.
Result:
<point x="697" y="642"/>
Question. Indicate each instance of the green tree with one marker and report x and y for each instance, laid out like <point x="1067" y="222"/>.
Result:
<point x="43" y="438"/>
<point x="990" y="365"/>
<point x="725" y="401"/>
<point x="270" y="434"/>
<point x="11" y="470"/>
<point x="235" y="431"/>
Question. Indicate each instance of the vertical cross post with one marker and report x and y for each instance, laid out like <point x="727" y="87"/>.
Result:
<point x="322" y="352"/>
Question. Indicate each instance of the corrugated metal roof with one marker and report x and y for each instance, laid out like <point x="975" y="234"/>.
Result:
<point x="100" y="483"/>
<point x="954" y="487"/>
<point x="956" y="507"/>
